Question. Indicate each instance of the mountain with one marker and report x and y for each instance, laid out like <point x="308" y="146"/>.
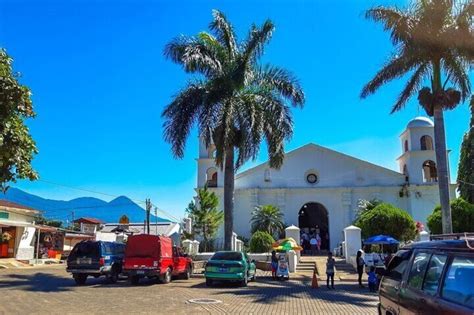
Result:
<point x="62" y="210"/>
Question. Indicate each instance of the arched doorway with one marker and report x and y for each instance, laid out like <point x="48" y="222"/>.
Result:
<point x="313" y="218"/>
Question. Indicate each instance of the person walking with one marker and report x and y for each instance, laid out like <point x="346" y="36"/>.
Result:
<point x="330" y="270"/>
<point x="313" y="242"/>
<point x="360" y="267"/>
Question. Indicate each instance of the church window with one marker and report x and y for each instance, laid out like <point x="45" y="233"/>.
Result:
<point x="405" y="146"/>
<point x="312" y="178"/>
<point x="430" y="173"/>
<point x="267" y="176"/>
<point x="426" y="143"/>
<point x="211" y="177"/>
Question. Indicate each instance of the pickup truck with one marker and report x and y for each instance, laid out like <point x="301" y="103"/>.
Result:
<point x="154" y="256"/>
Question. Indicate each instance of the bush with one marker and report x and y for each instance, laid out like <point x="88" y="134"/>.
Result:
<point x="261" y="242"/>
<point x="389" y="220"/>
<point x="462" y="213"/>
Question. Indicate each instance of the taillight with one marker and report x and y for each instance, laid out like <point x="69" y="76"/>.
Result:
<point x="101" y="261"/>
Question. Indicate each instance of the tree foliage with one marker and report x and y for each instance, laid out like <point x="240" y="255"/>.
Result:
<point x="267" y="218"/>
<point x="387" y="219"/>
<point x="261" y="242"/>
<point x="17" y="147"/>
<point x="44" y="221"/>
<point x="466" y="162"/>
<point x="463" y="217"/>
<point x="235" y="101"/>
<point x="205" y="216"/>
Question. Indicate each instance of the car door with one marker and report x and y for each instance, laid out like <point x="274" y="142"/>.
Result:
<point x="429" y="302"/>
<point x="391" y="281"/>
<point x="411" y="296"/>
<point x="457" y="287"/>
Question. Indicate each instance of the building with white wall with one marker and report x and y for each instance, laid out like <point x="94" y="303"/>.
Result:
<point x="320" y="187"/>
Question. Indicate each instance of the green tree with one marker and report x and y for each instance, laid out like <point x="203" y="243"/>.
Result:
<point x="17" y="148"/>
<point x="205" y="216"/>
<point x="234" y="100"/>
<point x="267" y="218"/>
<point x="366" y="205"/>
<point x="389" y="220"/>
<point x="463" y="217"/>
<point x="466" y="162"/>
<point x="261" y="242"/>
<point x="44" y="221"/>
<point x="432" y="38"/>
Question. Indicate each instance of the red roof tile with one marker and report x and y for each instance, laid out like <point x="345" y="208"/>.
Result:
<point x="9" y="204"/>
<point x="89" y="220"/>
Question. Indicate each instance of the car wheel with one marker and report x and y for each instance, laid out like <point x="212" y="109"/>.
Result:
<point x="187" y="273"/>
<point x="208" y="282"/>
<point x="166" y="278"/>
<point x="80" y="278"/>
<point x="245" y="281"/>
<point x="134" y="280"/>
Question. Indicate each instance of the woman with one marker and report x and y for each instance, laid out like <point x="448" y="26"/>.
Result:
<point x="274" y="264"/>
<point x="360" y="266"/>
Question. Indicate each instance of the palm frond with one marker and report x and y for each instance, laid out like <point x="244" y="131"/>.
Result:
<point x="455" y="67"/>
<point x="257" y="38"/>
<point x="394" y="20"/>
<point x="224" y="32"/>
<point x="395" y="68"/>
<point x="284" y="82"/>
<point x="411" y="87"/>
<point x="180" y="116"/>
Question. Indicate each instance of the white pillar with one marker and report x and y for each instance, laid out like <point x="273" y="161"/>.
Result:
<point x="234" y="241"/>
<point x="187" y="246"/>
<point x="424" y="236"/>
<point x="353" y="242"/>
<point x="294" y="232"/>
<point x="292" y="261"/>
<point x="195" y="247"/>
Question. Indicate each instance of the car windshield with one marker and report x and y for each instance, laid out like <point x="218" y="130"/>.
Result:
<point x="234" y="256"/>
<point x="89" y="249"/>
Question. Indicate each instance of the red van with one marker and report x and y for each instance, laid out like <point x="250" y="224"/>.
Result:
<point x="154" y="256"/>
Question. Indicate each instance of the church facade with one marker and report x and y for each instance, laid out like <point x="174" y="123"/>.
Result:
<point x="317" y="187"/>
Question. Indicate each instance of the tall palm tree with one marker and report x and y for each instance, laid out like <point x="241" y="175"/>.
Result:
<point x="267" y="218"/>
<point x="235" y="102"/>
<point x="433" y="41"/>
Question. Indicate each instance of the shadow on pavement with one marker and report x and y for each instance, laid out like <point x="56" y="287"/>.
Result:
<point x="38" y="282"/>
<point x="269" y="291"/>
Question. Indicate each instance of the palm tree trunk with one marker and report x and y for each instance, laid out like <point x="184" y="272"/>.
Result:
<point x="441" y="154"/>
<point x="228" y="198"/>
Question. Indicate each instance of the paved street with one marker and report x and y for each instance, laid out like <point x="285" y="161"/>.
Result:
<point x="52" y="290"/>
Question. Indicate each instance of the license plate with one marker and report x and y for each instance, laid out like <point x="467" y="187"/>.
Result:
<point x="140" y="272"/>
<point x="223" y="269"/>
<point x="84" y="261"/>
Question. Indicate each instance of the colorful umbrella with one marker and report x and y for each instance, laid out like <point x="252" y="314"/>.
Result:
<point x="286" y="245"/>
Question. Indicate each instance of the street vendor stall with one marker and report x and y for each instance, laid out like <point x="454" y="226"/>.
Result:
<point x="386" y="245"/>
<point x="286" y="261"/>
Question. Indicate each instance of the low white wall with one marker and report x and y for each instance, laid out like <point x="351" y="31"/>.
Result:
<point x="252" y="256"/>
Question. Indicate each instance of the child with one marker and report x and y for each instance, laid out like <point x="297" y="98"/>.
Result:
<point x="274" y="264"/>
<point x="372" y="279"/>
<point x="330" y="269"/>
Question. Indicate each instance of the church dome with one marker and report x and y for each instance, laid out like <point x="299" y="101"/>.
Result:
<point x="420" y="122"/>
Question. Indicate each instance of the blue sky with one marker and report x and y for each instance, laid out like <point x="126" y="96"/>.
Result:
<point x="100" y="82"/>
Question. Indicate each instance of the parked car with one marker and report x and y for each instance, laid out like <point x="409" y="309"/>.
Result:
<point x="155" y="257"/>
<point x="230" y="266"/>
<point x="95" y="258"/>
<point x="434" y="277"/>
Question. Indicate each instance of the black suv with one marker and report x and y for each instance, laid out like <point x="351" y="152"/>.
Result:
<point x="434" y="277"/>
<point x="96" y="258"/>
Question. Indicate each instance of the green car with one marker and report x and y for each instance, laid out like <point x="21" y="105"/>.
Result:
<point x="230" y="266"/>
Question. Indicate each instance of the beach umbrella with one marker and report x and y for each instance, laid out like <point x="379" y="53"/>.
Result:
<point x="286" y="245"/>
<point x="381" y="240"/>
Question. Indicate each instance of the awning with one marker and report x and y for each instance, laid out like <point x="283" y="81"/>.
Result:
<point x="7" y="223"/>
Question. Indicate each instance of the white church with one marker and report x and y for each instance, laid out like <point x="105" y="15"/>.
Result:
<point x="317" y="186"/>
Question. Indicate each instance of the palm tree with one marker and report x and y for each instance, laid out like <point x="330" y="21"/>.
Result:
<point x="235" y="102"/>
<point x="432" y="38"/>
<point x="267" y="218"/>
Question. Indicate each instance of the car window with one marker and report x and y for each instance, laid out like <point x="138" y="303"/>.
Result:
<point x="88" y="249"/>
<point x="108" y="249"/>
<point x="398" y="264"/>
<point x="418" y="269"/>
<point x="459" y="282"/>
<point x="433" y="274"/>
<point x="235" y="256"/>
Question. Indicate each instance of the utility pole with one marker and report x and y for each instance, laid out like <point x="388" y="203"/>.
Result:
<point x="148" y="209"/>
<point x="72" y="219"/>
<point x="156" y="220"/>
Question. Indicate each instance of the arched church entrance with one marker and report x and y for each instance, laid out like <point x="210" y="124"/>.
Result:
<point x="313" y="218"/>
